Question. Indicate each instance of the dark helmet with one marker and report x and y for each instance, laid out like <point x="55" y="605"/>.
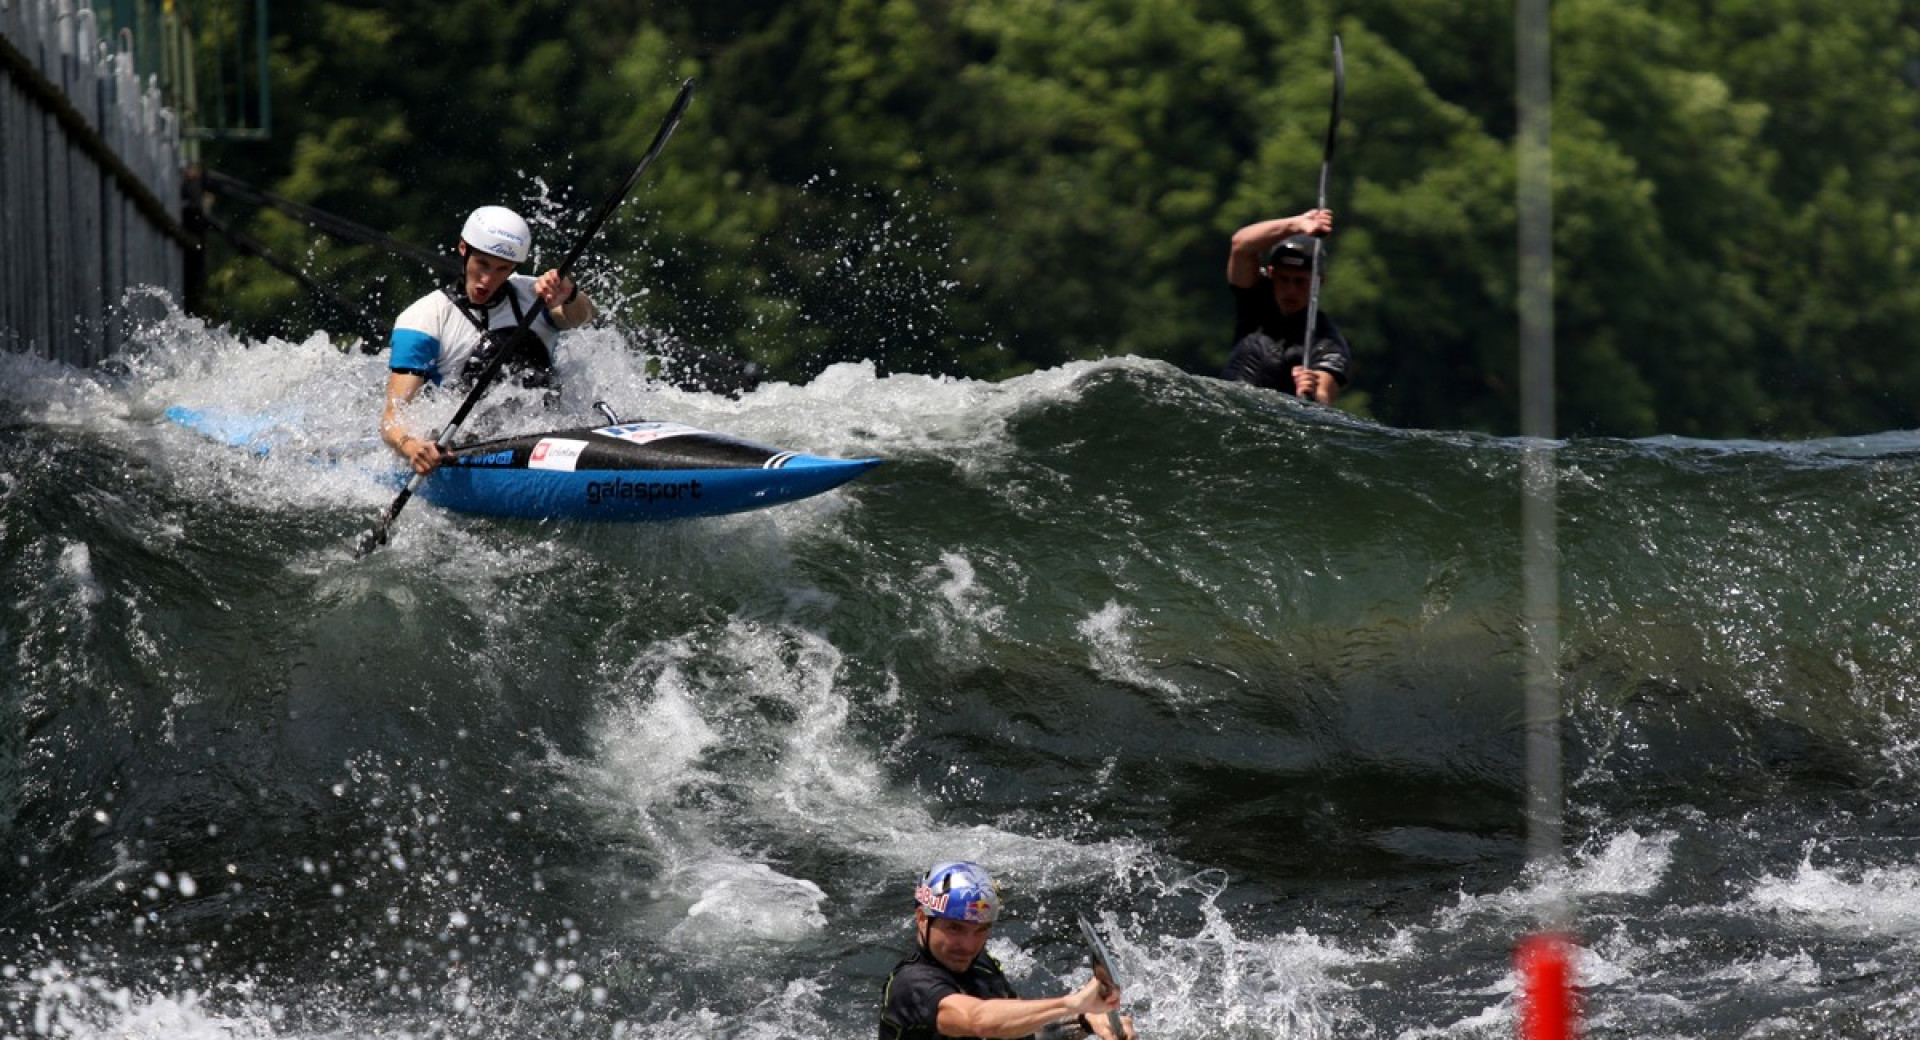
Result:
<point x="1294" y="251"/>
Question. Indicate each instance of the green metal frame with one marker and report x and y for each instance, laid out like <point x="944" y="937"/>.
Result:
<point x="202" y="54"/>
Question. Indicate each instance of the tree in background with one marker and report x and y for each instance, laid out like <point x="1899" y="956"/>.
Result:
<point x="985" y="187"/>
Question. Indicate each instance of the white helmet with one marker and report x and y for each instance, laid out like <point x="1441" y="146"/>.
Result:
<point x="498" y="231"/>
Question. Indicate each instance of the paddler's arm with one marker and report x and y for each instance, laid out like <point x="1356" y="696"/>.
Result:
<point x="420" y="452"/>
<point x="1006" y="1018"/>
<point x="566" y="304"/>
<point x="1250" y="243"/>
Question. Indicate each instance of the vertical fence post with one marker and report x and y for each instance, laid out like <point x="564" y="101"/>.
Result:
<point x="15" y="110"/>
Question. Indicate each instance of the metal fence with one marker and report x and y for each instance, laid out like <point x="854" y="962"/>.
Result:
<point x="90" y="175"/>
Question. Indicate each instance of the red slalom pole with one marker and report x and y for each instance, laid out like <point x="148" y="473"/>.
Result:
<point x="1549" y="1007"/>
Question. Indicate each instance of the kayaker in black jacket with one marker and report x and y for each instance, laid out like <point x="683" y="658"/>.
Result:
<point x="951" y="987"/>
<point x="1270" y="267"/>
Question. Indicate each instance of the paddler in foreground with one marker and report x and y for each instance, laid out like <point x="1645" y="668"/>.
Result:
<point x="1270" y="267"/>
<point x="451" y="332"/>
<point x="951" y="987"/>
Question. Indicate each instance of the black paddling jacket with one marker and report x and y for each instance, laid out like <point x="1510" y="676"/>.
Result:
<point x="1267" y="344"/>
<point x="910" y="1004"/>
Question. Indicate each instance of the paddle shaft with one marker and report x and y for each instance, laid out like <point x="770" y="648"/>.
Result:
<point x="1326" y="164"/>
<point x="377" y="537"/>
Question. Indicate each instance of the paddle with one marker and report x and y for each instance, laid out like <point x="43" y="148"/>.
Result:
<point x="377" y="537"/>
<point x="1102" y="970"/>
<point x="1326" y="162"/>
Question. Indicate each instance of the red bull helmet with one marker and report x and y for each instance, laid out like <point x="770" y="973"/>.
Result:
<point x="961" y="891"/>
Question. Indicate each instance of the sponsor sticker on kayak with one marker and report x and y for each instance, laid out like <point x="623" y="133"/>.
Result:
<point x="648" y="432"/>
<point x="556" y="453"/>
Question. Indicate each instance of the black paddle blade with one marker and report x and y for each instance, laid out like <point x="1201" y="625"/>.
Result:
<point x="1103" y="971"/>
<point x="377" y="535"/>
<point x="1339" y="88"/>
<point x="1102" y="964"/>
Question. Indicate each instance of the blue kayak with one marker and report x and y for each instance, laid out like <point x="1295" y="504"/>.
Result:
<point x="633" y="471"/>
<point x="630" y="471"/>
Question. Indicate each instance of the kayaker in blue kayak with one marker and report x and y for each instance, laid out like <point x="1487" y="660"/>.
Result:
<point x="1270" y="268"/>
<point x="453" y="331"/>
<point x="951" y="987"/>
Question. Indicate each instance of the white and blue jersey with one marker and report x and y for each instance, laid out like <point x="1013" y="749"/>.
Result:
<point x="437" y="335"/>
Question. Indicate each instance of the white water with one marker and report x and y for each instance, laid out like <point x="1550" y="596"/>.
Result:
<point x="740" y="756"/>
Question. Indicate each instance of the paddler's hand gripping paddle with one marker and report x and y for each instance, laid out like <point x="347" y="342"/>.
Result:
<point x="1102" y="970"/>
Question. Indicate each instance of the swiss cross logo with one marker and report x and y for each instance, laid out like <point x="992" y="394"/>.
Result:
<point x="556" y="453"/>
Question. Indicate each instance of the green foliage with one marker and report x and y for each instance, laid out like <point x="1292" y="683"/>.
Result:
<point x="985" y="187"/>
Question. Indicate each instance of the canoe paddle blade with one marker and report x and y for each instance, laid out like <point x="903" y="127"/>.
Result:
<point x="1102" y="964"/>
<point x="1102" y="970"/>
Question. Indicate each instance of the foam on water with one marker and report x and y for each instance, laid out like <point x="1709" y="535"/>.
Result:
<point x="1112" y="651"/>
<point x="1214" y="981"/>
<point x="82" y="1007"/>
<point x="1626" y="864"/>
<point x="1839" y="897"/>
<point x="671" y="744"/>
